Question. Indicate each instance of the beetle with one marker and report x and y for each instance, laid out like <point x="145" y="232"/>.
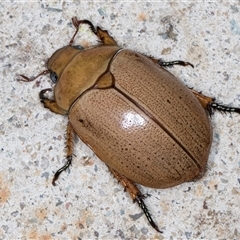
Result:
<point x="138" y="118"/>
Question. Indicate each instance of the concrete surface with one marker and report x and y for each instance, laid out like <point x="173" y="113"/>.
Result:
<point x="88" y="203"/>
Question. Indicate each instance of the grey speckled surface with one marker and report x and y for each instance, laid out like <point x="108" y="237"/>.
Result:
<point x="88" y="203"/>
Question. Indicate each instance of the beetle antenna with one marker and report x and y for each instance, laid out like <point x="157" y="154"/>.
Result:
<point x="27" y="79"/>
<point x="139" y="199"/>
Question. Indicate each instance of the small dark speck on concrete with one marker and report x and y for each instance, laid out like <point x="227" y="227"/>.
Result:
<point x="189" y="188"/>
<point x="11" y="169"/>
<point x="96" y="234"/>
<point x="22" y="205"/>
<point x="122" y="212"/>
<point x="223" y="162"/>
<point x="224" y="180"/>
<point x="216" y="135"/>
<point x="119" y="233"/>
<point x="5" y="228"/>
<point x="239" y="180"/>
<point x="60" y="22"/>
<point x="136" y="216"/>
<point x="205" y="206"/>
<point x="102" y="12"/>
<point x="112" y="16"/>
<point x="144" y="230"/>
<point x="14" y="214"/>
<point x="54" y="10"/>
<point x="59" y="203"/>
<point x="81" y="226"/>
<point x="133" y="229"/>
<point x="234" y="8"/>
<point x="95" y="168"/>
<point x="45" y="175"/>
<point x="188" y="235"/>
<point x="47" y="116"/>
<point x="69" y="24"/>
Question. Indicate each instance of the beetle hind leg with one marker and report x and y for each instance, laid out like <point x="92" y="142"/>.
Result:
<point x="222" y="108"/>
<point x="210" y="105"/>
<point x="136" y="195"/>
<point x="70" y="137"/>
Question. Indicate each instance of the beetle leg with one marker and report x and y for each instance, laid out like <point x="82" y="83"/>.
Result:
<point x="135" y="194"/>
<point x="105" y="38"/>
<point x="77" y="23"/>
<point x="161" y="63"/>
<point x="209" y="104"/>
<point x="50" y="104"/>
<point x="103" y="35"/>
<point x="28" y="79"/>
<point x="70" y="137"/>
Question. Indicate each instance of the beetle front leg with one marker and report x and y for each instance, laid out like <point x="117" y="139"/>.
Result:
<point x="103" y="35"/>
<point x="50" y="104"/>
<point x="105" y="38"/>
<point x="70" y="137"/>
<point x="135" y="194"/>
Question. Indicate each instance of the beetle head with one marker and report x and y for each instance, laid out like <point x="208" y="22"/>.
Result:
<point x="61" y="73"/>
<point x="75" y="70"/>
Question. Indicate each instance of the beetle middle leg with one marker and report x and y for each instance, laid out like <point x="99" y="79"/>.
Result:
<point x="209" y="104"/>
<point x="162" y="63"/>
<point x="135" y="194"/>
<point x="70" y="138"/>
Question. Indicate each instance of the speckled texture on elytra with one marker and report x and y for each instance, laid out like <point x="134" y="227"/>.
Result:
<point x="88" y="203"/>
<point x="139" y="126"/>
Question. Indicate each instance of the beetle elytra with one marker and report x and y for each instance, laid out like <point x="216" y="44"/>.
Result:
<point x="137" y="117"/>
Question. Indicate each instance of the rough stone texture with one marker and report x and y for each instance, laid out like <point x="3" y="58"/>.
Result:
<point x="88" y="203"/>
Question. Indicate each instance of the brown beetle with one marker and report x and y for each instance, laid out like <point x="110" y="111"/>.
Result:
<point x="136" y="116"/>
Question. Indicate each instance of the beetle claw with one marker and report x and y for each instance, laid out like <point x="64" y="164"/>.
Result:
<point x="144" y="196"/>
<point x="60" y="170"/>
<point x="42" y="92"/>
<point x="139" y="199"/>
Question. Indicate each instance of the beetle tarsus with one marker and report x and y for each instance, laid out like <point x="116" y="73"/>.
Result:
<point x="172" y="63"/>
<point x="77" y="23"/>
<point x="103" y="35"/>
<point x="135" y="194"/>
<point x="42" y="92"/>
<point x="139" y="199"/>
<point x="59" y="171"/>
<point x="222" y="108"/>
